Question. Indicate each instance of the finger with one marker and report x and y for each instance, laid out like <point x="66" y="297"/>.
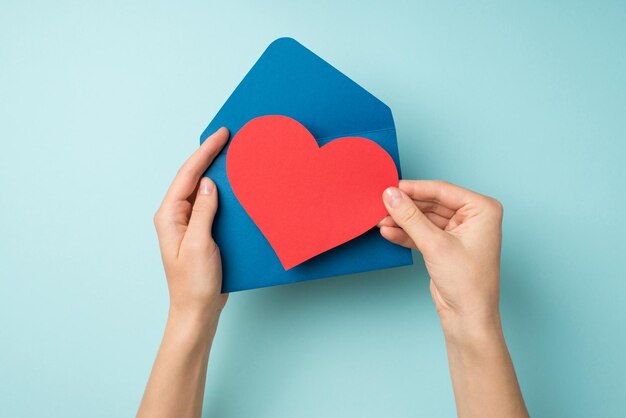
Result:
<point x="407" y="216"/>
<point x="198" y="232"/>
<point x="170" y="223"/>
<point x="397" y="236"/>
<point x="387" y="221"/>
<point x="446" y="194"/>
<point x="440" y="221"/>
<point x="187" y="177"/>
<point x="426" y="208"/>
<point x="435" y="207"/>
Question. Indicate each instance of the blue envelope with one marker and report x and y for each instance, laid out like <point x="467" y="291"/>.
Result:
<point x="290" y="80"/>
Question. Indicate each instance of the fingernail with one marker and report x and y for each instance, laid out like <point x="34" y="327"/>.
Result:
<point x="392" y="196"/>
<point x="206" y="186"/>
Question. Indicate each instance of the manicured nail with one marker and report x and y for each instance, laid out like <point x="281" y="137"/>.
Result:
<point x="392" y="196"/>
<point x="206" y="186"/>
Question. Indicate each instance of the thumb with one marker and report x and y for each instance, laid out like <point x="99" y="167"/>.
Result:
<point x="203" y="213"/>
<point x="407" y="216"/>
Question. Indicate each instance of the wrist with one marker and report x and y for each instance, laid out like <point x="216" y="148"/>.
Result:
<point x="201" y="313"/>
<point x="472" y="331"/>
<point x="192" y="325"/>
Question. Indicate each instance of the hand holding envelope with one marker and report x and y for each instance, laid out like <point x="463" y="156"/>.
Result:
<point x="318" y="234"/>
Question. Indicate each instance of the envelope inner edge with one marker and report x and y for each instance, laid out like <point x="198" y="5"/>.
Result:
<point x="329" y="138"/>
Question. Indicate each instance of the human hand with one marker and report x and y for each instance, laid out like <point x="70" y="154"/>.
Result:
<point x="459" y="234"/>
<point x="183" y="222"/>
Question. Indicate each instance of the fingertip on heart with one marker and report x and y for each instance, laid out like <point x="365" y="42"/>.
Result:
<point x="392" y="196"/>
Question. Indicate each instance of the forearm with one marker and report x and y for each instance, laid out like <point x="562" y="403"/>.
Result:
<point x="176" y="384"/>
<point x="482" y="372"/>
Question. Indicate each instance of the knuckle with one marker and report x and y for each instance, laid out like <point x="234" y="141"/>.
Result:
<point x="197" y="245"/>
<point x="429" y="207"/>
<point x="495" y="206"/>
<point x="202" y="207"/>
<point x="442" y="183"/>
<point x="201" y="246"/>
<point x="180" y="206"/>
<point x="187" y="172"/>
<point x="409" y="215"/>
<point x="210" y="151"/>
<point x="198" y="210"/>
<point x="181" y="171"/>
<point x="157" y="218"/>
<point x="185" y="169"/>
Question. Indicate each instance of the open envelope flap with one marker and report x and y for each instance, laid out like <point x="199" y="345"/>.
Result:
<point x="290" y="80"/>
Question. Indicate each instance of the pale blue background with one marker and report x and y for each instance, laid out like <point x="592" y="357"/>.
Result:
<point x="101" y="102"/>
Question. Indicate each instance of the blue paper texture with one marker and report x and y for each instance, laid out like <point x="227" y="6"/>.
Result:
<point x="290" y="80"/>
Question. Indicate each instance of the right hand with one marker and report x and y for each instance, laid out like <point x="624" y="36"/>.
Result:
<point x="459" y="234"/>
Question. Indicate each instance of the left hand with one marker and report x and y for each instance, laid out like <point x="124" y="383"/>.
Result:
<point x="183" y="222"/>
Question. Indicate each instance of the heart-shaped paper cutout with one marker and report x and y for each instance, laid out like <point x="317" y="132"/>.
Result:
<point x="307" y="199"/>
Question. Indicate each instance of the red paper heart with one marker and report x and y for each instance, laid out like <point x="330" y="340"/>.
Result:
<point x="307" y="199"/>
